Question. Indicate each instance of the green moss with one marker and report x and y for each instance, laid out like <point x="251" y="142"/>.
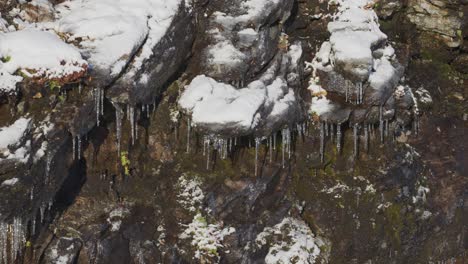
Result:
<point x="125" y="162"/>
<point x="394" y="224"/>
<point x="6" y="59"/>
<point x="54" y="84"/>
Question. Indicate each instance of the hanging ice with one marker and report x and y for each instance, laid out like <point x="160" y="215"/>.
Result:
<point x="356" y="140"/>
<point x="118" y="126"/>
<point x="188" y="134"/>
<point x="257" y="144"/>
<point x="322" y="141"/>
<point x="381" y="124"/>
<point x="338" y="137"/>
<point x="131" y="114"/>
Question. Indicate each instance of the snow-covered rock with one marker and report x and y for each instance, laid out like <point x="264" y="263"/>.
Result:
<point x="291" y="241"/>
<point x="37" y="54"/>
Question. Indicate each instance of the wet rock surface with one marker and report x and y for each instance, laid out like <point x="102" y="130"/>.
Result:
<point x="353" y="169"/>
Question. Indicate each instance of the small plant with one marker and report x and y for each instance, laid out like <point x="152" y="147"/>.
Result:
<point x="125" y="162"/>
<point x="6" y="59"/>
<point x="54" y="84"/>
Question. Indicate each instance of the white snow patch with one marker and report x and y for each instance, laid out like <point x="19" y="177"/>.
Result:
<point x="206" y="238"/>
<point x="221" y="105"/>
<point x="290" y="241"/>
<point x="190" y="194"/>
<point x="42" y="52"/>
<point x="10" y="182"/>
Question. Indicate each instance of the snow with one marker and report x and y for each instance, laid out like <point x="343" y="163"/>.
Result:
<point x="220" y="105"/>
<point x="225" y="53"/>
<point x="11" y="135"/>
<point x="106" y="32"/>
<point x="354" y="35"/>
<point x="10" y="182"/>
<point x="206" y="238"/>
<point x="41" y="53"/>
<point x="190" y="194"/>
<point x="321" y="105"/>
<point x="116" y="216"/>
<point x="290" y="241"/>
<point x="110" y="31"/>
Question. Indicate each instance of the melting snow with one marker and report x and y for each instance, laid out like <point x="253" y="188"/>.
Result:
<point x="206" y="238"/>
<point x="43" y="53"/>
<point x="290" y="241"/>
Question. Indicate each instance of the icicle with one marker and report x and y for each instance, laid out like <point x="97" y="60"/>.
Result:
<point x="326" y="129"/>
<point x="332" y="132"/>
<point x="97" y="99"/>
<point x="131" y="115"/>
<point x="257" y="144"/>
<point x="33" y="225"/>
<point x="3" y="242"/>
<point x="270" y="147"/>
<point x="381" y="124"/>
<point x="102" y="101"/>
<point x="208" y="156"/>
<point x="42" y="212"/>
<point x="274" y="141"/>
<point x="356" y="140"/>
<point x="366" y="138"/>
<point x="361" y="95"/>
<point x="74" y="148"/>
<point x="204" y="145"/>
<point x="322" y="141"/>
<point x="80" y="87"/>
<point x="357" y="94"/>
<point x="346" y="98"/>
<point x="79" y="147"/>
<point x="188" y="134"/>
<point x="338" y="137"/>
<point x="18" y="237"/>
<point x="118" y="126"/>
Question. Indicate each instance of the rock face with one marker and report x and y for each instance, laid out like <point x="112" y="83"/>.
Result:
<point x="257" y="131"/>
<point x="441" y="17"/>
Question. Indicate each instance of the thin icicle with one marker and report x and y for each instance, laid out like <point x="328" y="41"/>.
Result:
<point x="332" y="132"/>
<point x="208" y="156"/>
<point x="189" y="126"/>
<point x="338" y="137"/>
<point x="356" y="140"/>
<point x="74" y="148"/>
<point x="270" y="147"/>
<point x="274" y="140"/>
<point x="118" y="126"/>
<point x="381" y="124"/>
<point x="257" y="144"/>
<point x="326" y="129"/>
<point x="80" y="87"/>
<point x="102" y="101"/>
<point x="322" y="141"/>
<point x="366" y="138"/>
<point x="131" y="114"/>
<point x="3" y="242"/>
<point x="97" y="99"/>
<point x="79" y="147"/>
<point x="346" y="97"/>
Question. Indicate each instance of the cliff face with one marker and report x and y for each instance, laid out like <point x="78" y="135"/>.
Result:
<point x="233" y="132"/>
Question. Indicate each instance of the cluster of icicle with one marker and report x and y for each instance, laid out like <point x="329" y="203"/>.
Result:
<point x="359" y="92"/>
<point x="223" y="146"/>
<point x="12" y="240"/>
<point x="13" y="235"/>
<point x="361" y="132"/>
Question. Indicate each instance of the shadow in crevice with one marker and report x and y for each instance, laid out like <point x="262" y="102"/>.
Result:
<point x="71" y="187"/>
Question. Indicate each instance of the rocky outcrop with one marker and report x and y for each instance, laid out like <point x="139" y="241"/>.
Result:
<point x="444" y="18"/>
